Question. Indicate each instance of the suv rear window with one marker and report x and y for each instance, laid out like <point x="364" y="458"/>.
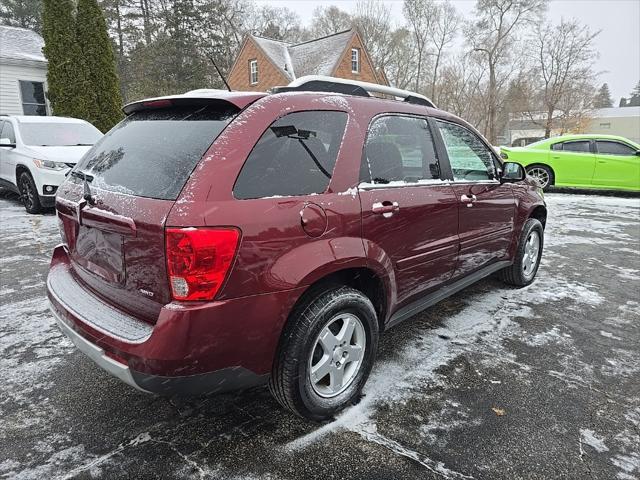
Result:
<point x="152" y="152"/>
<point x="295" y="156"/>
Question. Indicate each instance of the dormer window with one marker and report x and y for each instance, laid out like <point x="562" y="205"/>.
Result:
<point x="253" y="72"/>
<point x="355" y="60"/>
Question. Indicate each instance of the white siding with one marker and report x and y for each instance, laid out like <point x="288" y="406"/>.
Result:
<point x="10" y="102"/>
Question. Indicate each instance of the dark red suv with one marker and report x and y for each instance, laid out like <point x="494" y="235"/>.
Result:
<point x="216" y="240"/>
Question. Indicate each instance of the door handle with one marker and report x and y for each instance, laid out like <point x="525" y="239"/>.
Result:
<point x="468" y="199"/>
<point x="385" y="208"/>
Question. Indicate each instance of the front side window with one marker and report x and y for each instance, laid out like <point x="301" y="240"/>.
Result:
<point x="294" y="156"/>
<point x="470" y="158"/>
<point x="32" y="94"/>
<point x="580" y="146"/>
<point x="355" y="60"/>
<point x="253" y="72"/>
<point x="607" y="147"/>
<point x="556" y="146"/>
<point x="401" y="149"/>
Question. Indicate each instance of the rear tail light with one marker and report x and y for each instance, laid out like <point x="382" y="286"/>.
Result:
<point x="198" y="260"/>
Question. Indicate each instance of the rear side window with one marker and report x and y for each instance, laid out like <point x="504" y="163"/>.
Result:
<point x="607" y="147"/>
<point x="399" y="148"/>
<point x="152" y="153"/>
<point x="294" y="156"/>
<point x="581" y="146"/>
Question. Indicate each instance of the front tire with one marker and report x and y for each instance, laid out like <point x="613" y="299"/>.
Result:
<point x="326" y="353"/>
<point x="29" y="193"/>
<point x="542" y="174"/>
<point x="528" y="255"/>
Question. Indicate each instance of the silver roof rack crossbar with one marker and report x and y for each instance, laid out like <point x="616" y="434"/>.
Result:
<point x="322" y="83"/>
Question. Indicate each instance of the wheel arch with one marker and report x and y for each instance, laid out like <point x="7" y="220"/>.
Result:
<point x="20" y="169"/>
<point x="361" y="278"/>
<point x="539" y="212"/>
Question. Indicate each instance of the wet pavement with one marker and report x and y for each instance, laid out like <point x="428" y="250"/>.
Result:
<point x="493" y="383"/>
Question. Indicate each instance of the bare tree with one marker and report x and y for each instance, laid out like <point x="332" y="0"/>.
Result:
<point x="421" y="15"/>
<point x="401" y="68"/>
<point x="492" y="35"/>
<point x="329" y="20"/>
<point x="461" y="88"/>
<point x="373" y="20"/>
<point x="444" y="30"/>
<point x="565" y="56"/>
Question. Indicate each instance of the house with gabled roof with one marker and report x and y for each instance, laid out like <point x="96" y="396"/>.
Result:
<point x="23" y="72"/>
<point x="263" y="63"/>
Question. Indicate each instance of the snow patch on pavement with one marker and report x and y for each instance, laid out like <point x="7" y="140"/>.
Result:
<point x="589" y="437"/>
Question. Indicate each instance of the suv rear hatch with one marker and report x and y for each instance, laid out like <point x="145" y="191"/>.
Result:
<point x="114" y="205"/>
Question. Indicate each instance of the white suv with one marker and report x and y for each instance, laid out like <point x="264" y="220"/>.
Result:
<point x="36" y="153"/>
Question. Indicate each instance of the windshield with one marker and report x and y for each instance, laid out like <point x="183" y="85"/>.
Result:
<point x="63" y="134"/>
<point x="152" y="153"/>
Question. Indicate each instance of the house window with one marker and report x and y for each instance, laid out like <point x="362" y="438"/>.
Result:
<point x="355" y="60"/>
<point x="253" y="72"/>
<point x="32" y="94"/>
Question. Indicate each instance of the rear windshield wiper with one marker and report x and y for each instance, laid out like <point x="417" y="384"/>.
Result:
<point x="290" y="131"/>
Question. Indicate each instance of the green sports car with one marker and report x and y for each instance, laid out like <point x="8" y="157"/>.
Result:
<point x="582" y="161"/>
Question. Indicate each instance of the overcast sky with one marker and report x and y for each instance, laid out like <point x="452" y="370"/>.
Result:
<point x="618" y="20"/>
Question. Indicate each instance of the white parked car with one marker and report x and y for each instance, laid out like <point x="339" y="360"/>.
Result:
<point x="36" y="153"/>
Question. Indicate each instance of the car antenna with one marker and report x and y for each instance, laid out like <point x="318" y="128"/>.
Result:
<point x="219" y="72"/>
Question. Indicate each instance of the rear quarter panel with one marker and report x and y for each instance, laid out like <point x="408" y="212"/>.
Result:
<point x="275" y="253"/>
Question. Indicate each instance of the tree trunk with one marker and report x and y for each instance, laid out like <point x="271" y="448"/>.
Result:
<point x="419" y="68"/>
<point x="491" y="121"/>
<point x="144" y="7"/>
<point x="435" y="77"/>
<point x="549" y="123"/>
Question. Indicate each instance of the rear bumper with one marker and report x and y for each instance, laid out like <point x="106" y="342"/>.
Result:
<point x="96" y="353"/>
<point x="193" y="348"/>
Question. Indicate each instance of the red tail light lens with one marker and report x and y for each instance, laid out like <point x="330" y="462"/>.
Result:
<point x="198" y="260"/>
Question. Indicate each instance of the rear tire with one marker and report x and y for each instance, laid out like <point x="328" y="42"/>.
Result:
<point x="29" y="193"/>
<point x="528" y="255"/>
<point x="543" y="175"/>
<point x="317" y="340"/>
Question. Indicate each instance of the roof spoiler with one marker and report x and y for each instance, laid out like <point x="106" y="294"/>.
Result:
<point x="203" y="96"/>
<point x="321" y="83"/>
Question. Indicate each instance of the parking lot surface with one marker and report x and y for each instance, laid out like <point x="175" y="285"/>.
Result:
<point x="493" y="383"/>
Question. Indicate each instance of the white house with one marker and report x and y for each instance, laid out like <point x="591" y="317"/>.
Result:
<point x="623" y="121"/>
<point x="23" y="72"/>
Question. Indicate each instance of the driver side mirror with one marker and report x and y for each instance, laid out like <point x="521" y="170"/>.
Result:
<point x="6" y="142"/>
<point x="512" y="172"/>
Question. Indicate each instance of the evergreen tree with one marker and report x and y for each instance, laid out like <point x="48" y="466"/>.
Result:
<point x="603" y="97"/>
<point x="66" y="75"/>
<point x="22" y="13"/>
<point x="102" y="77"/>
<point x="623" y="102"/>
<point x="634" y="101"/>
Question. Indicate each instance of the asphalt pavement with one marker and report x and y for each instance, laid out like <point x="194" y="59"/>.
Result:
<point x="493" y="383"/>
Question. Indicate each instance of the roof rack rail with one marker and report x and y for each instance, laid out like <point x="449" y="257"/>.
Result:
<point x="322" y="83"/>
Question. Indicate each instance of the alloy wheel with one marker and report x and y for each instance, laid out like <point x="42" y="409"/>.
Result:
<point x="531" y="251"/>
<point x="541" y="176"/>
<point x="337" y="354"/>
<point x="27" y="193"/>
